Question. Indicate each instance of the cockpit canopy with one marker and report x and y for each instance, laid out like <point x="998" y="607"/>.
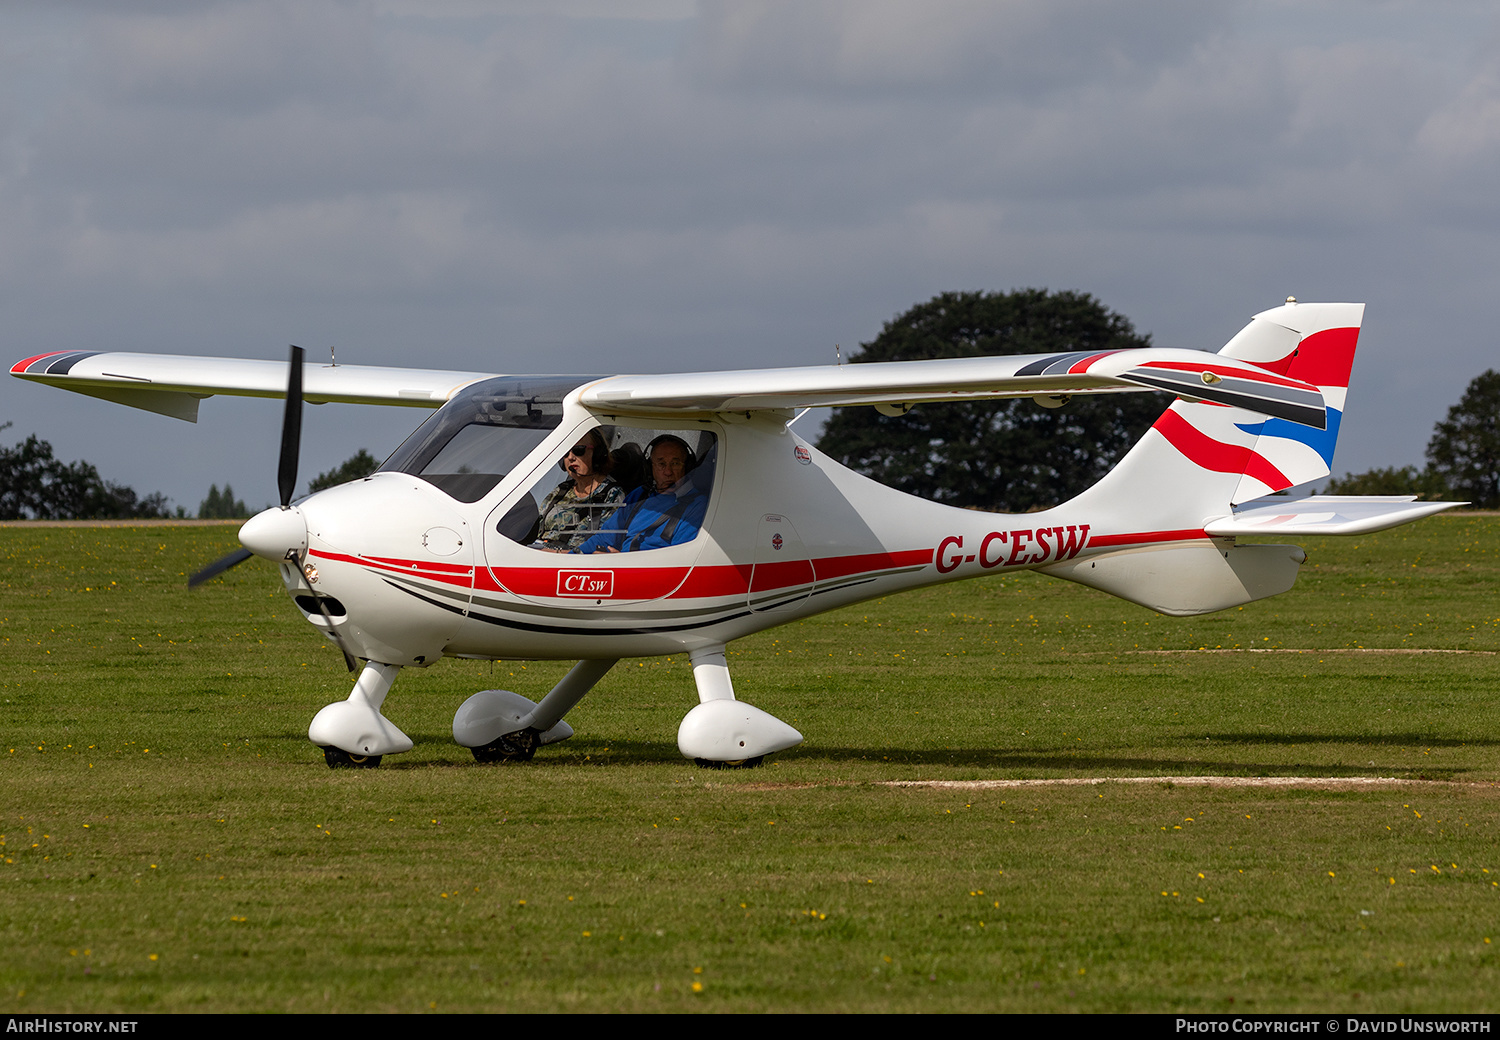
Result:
<point x="468" y="446"/>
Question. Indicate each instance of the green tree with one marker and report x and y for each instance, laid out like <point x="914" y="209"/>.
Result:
<point x="221" y="505"/>
<point x="1011" y="455"/>
<point x="360" y="464"/>
<point x="1465" y="448"/>
<point x="34" y="485"/>
<point x="1407" y="480"/>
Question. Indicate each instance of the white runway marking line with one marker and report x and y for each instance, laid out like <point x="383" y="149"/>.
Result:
<point x="1187" y="781"/>
<point x="1295" y="650"/>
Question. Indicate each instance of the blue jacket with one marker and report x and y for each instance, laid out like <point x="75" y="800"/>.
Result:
<point x="651" y="521"/>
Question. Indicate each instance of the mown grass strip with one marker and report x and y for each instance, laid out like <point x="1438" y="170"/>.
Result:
<point x="172" y="842"/>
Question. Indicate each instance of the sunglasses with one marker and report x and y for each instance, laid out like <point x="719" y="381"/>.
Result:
<point x="580" y="450"/>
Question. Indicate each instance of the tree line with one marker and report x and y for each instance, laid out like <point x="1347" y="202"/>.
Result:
<point x="1463" y="456"/>
<point x="1004" y="456"/>
<point x="222" y="505"/>
<point x="36" y="485"/>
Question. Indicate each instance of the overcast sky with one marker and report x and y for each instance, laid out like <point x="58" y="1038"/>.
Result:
<point x="659" y="186"/>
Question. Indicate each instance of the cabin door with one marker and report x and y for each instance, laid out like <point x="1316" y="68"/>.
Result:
<point x="783" y="574"/>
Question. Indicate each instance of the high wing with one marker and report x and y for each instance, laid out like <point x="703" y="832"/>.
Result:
<point x="174" y="384"/>
<point x="899" y="384"/>
<point x="1324" y="514"/>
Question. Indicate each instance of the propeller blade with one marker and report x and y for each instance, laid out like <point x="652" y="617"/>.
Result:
<point x="219" y="566"/>
<point x="286" y="484"/>
<point x="291" y="429"/>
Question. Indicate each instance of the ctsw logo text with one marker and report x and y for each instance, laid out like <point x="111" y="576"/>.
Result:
<point x="1014" y="548"/>
<point x="588" y="584"/>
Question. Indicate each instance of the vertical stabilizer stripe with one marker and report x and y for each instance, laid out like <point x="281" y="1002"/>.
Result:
<point x="1203" y="450"/>
<point x="1325" y="358"/>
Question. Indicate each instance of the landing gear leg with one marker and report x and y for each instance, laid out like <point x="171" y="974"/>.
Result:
<point x="352" y="733"/>
<point x="721" y="732"/>
<point x="501" y="726"/>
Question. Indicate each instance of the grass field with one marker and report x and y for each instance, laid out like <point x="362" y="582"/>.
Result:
<point x="171" y="842"/>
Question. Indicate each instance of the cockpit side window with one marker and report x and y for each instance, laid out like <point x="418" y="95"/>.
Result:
<point x="471" y="443"/>
<point x="619" y="489"/>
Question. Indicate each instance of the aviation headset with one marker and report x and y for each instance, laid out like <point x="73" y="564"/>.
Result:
<point x="602" y="461"/>
<point x="689" y="458"/>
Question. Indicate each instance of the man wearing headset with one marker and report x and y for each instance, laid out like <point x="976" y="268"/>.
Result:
<point x="666" y="510"/>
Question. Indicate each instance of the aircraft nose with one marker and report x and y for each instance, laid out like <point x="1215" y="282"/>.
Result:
<point x="276" y="533"/>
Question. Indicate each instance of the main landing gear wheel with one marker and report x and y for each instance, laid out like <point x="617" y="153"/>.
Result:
<point x="512" y="747"/>
<point x="744" y="763"/>
<point x="338" y="758"/>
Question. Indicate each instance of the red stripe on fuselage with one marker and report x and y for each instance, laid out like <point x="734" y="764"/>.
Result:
<point x="833" y="567"/>
<point x="711" y="582"/>
<point x="634" y="582"/>
<point x="449" y="575"/>
<point x="702" y="582"/>
<point x="734" y="579"/>
<point x="443" y="568"/>
<point x="541" y="582"/>
<point x="1147" y="537"/>
<point x="781" y="575"/>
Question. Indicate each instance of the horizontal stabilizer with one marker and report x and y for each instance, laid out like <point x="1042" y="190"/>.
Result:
<point x="1324" y="514"/>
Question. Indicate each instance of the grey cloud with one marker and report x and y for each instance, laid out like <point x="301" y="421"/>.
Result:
<point x="507" y="187"/>
<point x="1460" y="143"/>
<point x="1025" y="46"/>
<point x="235" y="57"/>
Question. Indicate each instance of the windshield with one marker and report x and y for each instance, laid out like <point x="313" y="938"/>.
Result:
<point x="473" y="441"/>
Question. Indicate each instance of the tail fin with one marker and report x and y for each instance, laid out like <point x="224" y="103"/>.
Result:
<point x="1200" y="460"/>
<point x="1313" y="342"/>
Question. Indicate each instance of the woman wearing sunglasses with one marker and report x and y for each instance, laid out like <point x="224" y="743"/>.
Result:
<point x="577" y="506"/>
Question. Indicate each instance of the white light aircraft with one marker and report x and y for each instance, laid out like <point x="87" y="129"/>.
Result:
<point x="436" y="554"/>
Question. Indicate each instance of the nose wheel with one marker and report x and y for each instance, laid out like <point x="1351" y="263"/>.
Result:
<point x="512" y="747"/>
<point x="338" y="758"/>
<point x="744" y="763"/>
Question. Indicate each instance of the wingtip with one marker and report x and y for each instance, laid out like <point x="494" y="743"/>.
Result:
<point x="20" y="367"/>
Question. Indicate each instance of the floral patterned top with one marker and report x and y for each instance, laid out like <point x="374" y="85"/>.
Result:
<point x="569" y="518"/>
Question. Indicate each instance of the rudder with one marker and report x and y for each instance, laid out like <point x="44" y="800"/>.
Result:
<point x="1199" y="460"/>
<point x="1313" y="342"/>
